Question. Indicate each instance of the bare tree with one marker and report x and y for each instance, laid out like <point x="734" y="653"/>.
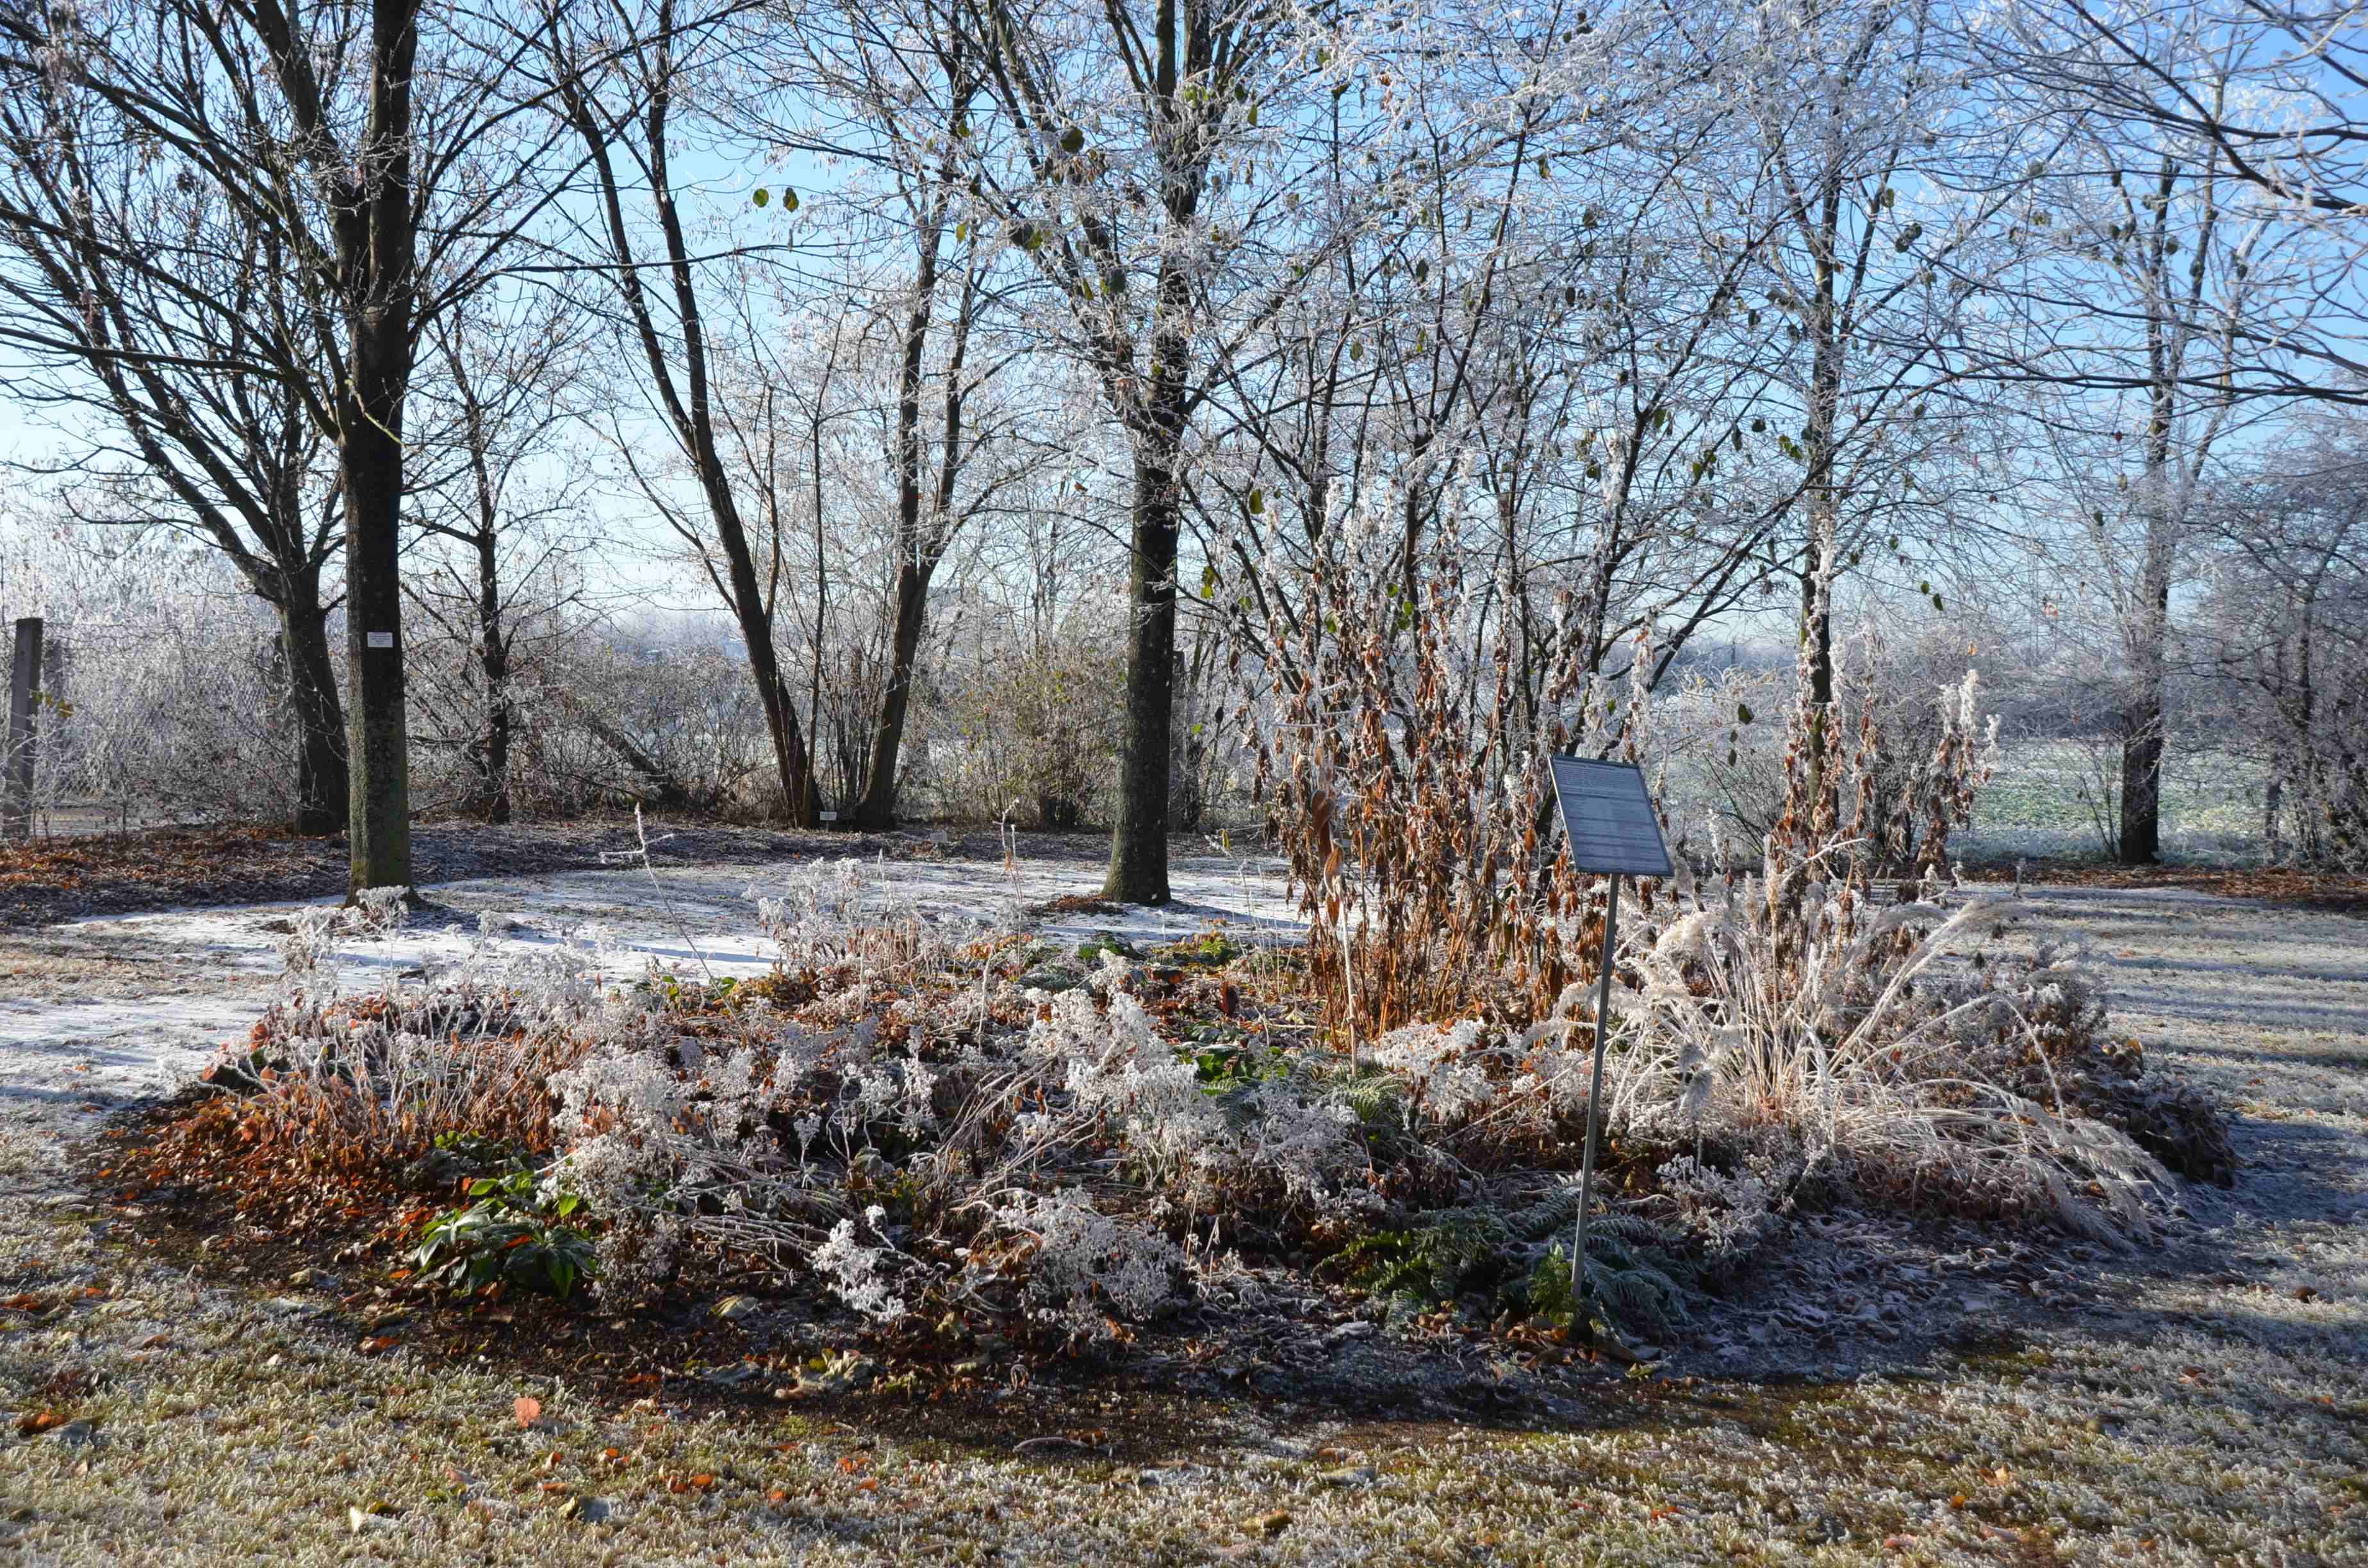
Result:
<point x="2269" y="96"/>
<point x="2297" y="126"/>
<point x="884" y="103"/>
<point x="495" y="491"/>
<point x="143" y="308"/>
<point x="2140" y="326"/>
<point x="2287" y="601"/>
<point x="625" y="114"/>
<point x="381" y="152"/>
<point x="1124" y="158"/>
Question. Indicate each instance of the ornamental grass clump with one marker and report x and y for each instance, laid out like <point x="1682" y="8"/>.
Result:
<point x="1839" y="1022"/>
<point x="1844" y="1018"/>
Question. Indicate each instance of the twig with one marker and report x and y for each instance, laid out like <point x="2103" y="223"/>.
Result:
<point x="642" y="832"/>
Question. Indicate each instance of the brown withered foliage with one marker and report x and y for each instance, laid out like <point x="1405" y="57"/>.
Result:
<point x="1405" y="750"/>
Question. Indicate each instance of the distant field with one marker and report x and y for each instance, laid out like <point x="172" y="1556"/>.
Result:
<point x="2044" y="801"/>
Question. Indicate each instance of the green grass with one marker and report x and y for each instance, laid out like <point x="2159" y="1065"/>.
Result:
<point x="2043" y="801"/>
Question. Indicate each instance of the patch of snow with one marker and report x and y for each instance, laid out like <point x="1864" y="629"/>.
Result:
<point x="64" y="1062"/>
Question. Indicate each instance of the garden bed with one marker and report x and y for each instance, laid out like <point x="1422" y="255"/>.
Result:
<point x="237" y="1413"/>
<point x="934" y="1156"/>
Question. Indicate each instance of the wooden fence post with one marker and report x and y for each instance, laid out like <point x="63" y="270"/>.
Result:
<point x="24" y="686"/>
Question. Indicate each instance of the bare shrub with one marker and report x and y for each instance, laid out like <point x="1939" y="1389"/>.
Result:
<point x="1405" y="754"/>
<point x="163" y="691"/>
<point x="1034" y="721"/>
<point x="335" y="1086"/>
<point x="1885" y="716"/>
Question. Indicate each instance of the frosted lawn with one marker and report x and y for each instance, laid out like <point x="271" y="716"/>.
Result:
<point x="2198" y="1404"/>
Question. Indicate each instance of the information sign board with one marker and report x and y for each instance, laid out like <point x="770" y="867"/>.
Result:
<point x="1607" y="810"/>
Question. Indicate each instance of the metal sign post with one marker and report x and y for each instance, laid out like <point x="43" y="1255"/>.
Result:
<point x="1614" y="831"/>
<point x="1581" y="1288"/>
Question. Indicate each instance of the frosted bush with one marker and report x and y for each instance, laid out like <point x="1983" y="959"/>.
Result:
<point x="1441" y="1067"/>
<point x="1171" y="1131"/>
<point x="1175" y="1135"/>
<point x="865" y="1123"/>
<point x="1082" y="1254"/>
<point x="829" y="916"/>
<point x="856" y="1272"/>
<point x="1729" y="1215"/>
<point x="1836" y="1033"/>
<point x="1304" y="1146"/>
<point x="314" y="935"/>
<point x="625" y="1185"/>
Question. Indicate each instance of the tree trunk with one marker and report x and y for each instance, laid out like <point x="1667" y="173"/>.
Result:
<point x="1820" y="441"/>
<point x="376" y="244"/>
<point x="801" y="798"/>
<point x="378" y="745"/>
<point x="323" y="787"/>
<point x="2142" y="715"/>
<point x="916" y="558"/>
<point x="1138" y="871"/>
<point x="24" y="711"/>
<point x="877" y="807"/>
<point x="2141" y="835"/>
<point x="686" y="404"/>
<point x="494" y="752"/>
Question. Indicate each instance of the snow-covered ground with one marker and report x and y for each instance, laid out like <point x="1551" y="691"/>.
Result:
<point x="97" y="1012"/>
